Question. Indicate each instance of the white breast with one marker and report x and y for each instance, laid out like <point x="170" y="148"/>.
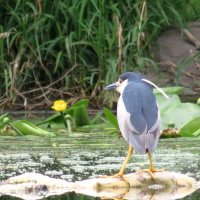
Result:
<point x="122" y="117"/>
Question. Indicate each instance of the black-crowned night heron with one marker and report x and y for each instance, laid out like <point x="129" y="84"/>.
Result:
<point x="138" y="115"/>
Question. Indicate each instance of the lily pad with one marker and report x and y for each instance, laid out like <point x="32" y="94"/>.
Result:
<point x="179" y="114"/>
<point x="170" y="90"/>
<point x="165" y="104"/>
<point x="24" y="127"/>
<point x="192" y="128"/>
<point x="197" y="133"/>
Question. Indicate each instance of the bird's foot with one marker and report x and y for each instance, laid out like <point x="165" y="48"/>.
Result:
<point x="118" y="175"/>
<point x="151" y="171"/>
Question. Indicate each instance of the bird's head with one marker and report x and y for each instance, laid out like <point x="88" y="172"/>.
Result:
<point x="127" y="77"/>
<point x="123" y="81"/>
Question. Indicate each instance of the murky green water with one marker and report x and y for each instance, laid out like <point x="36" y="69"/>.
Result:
<point x="86" y="155"/>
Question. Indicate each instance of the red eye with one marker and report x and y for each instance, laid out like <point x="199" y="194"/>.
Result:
<point x="120" y="81"/>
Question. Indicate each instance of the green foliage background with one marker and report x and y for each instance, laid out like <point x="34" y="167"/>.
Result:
<point x="69" y="48"/>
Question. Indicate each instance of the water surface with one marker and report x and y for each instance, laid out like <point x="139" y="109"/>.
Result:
<point x="86" y="155"/>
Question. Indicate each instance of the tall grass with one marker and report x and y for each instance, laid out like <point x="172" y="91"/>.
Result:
<point x="71" y="49"/>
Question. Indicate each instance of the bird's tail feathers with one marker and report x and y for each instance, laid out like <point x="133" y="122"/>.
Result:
<point x="144" y="142"/>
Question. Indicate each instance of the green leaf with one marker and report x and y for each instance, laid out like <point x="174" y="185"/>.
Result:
<point x="179" y="114"/>
<point x="81" y="117"/>
<point x="165" y="104"/>
<point x="97" y="118"/>
<point x="192" y="128"/>
<point x="82" y="102"/>
<point x="3" y="116"/>
<point x="78" y="112"/>
<point x="110" y="117"/>
<point x="197" y="133"/>
<point x="24" y="127"/>
<point x="170" y="90"/>
<point x="4" y="119"/>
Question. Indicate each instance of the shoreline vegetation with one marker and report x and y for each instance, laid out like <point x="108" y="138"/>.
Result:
<point x="71" y="49"/>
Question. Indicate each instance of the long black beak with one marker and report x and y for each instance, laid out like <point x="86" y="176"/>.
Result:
<point x="111" y="86"/>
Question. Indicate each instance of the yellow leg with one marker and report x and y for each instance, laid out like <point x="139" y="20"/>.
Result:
<point x="123" y="167"/>
<point x="151" y="169"/>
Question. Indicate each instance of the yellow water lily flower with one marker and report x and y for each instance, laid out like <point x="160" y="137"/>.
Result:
<point x="59" y="105"/>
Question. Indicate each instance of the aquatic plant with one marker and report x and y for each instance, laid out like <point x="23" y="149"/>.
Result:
<point x="61" y="106"/>
<point x="78" y="113"/>
<point x="21" y="127"/>
<point x="177" y="118"/>
<point x="25" y="127"/>
<point x="4" y="119"/>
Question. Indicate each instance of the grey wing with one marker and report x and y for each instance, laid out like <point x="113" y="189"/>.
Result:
<point x="132" y="99"/>
<point x="143" y="122"/>
<point x="152" y="116"/>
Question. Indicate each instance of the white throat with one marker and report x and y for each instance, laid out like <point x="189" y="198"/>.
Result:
<point x="121" y="86"/>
